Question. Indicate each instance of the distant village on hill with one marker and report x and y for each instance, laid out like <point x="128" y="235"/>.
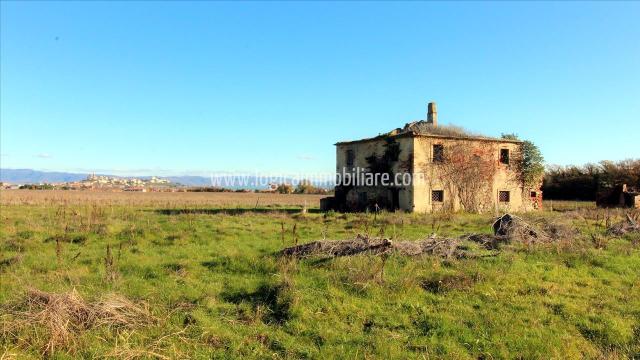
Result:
<point x="93" y="182"/>
<point x="104" y="182"/>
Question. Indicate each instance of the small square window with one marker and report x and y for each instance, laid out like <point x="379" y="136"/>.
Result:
<point x="504" y="196"/>
<point x="534" y="194"/>
<point x="438" y="153"/>
<point x="437" y="196"/>
<point x="350" y="157"/>
<point x="504" y="156"/>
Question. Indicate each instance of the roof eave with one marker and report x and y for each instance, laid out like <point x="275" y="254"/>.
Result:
<point x="412" y="134"/>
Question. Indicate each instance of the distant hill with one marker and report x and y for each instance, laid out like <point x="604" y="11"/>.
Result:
<point x="29" y="176"/>
<point x="190" y="180"/>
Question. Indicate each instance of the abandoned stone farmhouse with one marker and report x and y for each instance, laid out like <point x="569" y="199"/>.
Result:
<point x="430" y="169"/>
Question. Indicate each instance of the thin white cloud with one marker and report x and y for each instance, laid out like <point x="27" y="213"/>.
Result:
<point x="306" y="157"/>
<point x="44" y="156"/>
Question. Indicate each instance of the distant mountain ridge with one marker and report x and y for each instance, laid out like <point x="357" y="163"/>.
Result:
<point x="29" y="176"/>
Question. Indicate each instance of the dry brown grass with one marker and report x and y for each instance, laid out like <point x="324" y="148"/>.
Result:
<point x="57" y="197"/>
<point x="54" y="321"/>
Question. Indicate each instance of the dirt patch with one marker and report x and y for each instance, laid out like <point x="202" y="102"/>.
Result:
<point x="67" y="238"/>
<point x="444" y="283"/>
<point x="5" y="263"/>
<point x="270" y="302"/>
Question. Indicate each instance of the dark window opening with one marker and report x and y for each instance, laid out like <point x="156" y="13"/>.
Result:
<point x="351" y="156"/>
<point x="362" y="198"/>
<point x="395" y="198"/>
<point x="504" y="156"/>
<point x="504" y="196"/>
<point x="437" y="196"/>
<point x="534" y="194"/>
<point x="438" y="153"/>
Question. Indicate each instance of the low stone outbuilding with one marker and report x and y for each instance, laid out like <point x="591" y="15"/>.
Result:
<point x="619" y="196"/>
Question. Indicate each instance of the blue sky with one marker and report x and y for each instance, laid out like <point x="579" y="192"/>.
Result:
<point x="192" y="88"/>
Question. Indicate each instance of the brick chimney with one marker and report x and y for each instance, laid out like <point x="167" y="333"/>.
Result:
<point x="432" y="114"/>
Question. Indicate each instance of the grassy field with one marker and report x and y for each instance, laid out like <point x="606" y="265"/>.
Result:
<point x="197" y="277"/>
<point x="156" y="199"/>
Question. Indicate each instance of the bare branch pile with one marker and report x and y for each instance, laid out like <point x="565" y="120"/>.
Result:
<point x="444" y="247"/>
<point x="507" y="229"/>
<point x="339" y="248"/>
<point x="624" y="227"/>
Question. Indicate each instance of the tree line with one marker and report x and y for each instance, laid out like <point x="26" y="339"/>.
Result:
<point x="583" y="182"/>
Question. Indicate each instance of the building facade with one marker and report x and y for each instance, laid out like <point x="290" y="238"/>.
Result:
<point x="430" y="169"/>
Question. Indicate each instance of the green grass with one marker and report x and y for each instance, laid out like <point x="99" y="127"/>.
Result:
<point x="212" y="280"/>
<point x="567" y="205"/>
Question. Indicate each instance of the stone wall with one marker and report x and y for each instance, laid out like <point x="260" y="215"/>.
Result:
<point x="416" y="157"/>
